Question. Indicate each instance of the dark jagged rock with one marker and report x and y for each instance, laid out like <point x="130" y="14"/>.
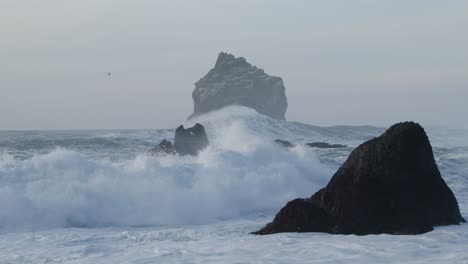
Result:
<point x="190" y="141"/>
<point x="234" y="81"/>
<point x="165" y="147"/>
<point x="325" y="145"/>
<point x="390" y="184"/>
<point x="284" y="143"/>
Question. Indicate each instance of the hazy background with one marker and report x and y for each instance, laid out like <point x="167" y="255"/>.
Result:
<point x="343" y="62"/>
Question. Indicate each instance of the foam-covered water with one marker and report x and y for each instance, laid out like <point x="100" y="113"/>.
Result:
<point x="88" y="196"/>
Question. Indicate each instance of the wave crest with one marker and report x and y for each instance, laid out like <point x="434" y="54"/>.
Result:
<point x="239" y="174"/>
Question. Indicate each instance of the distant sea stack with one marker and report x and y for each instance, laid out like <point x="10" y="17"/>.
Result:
<point x="234" y="81"/>
<point x="390" y="184"/>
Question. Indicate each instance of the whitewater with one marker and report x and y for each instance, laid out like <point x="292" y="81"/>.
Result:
<point x="98" y="197"/>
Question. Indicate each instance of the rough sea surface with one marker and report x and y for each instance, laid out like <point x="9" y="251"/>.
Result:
<point x="97" y="197"/>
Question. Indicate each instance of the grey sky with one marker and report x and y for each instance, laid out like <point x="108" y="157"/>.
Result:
<point x="343" y="62"/>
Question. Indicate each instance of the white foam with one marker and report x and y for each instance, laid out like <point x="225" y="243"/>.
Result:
<point x="239" y="174"/>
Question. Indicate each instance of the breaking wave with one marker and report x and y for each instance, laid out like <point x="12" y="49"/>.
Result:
<point x="241" y="173"/>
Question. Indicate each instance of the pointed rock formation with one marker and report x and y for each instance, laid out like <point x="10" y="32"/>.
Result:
<point x="233" y="81"/>
<point x="390" y="184"/>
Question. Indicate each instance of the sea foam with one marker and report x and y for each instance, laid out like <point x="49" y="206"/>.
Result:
<point x="241" y="173"/>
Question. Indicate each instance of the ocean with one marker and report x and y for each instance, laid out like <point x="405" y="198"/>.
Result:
<point x="96" y="196"/>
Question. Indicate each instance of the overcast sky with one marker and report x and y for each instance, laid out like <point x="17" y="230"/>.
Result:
<point x="342" y="62"/>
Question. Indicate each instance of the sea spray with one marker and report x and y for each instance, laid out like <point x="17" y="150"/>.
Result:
<point x="240" y="174"/>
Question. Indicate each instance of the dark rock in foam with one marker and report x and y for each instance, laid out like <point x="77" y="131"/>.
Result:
<point x="390" y="184"/>
<point x="190" y="141"/>
<point x="165" y="147"/>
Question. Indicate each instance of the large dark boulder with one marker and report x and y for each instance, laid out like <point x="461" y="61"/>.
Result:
<point x="390" y="184"/>
<point x="190" y="141"/>
<point x="165" y="147"/>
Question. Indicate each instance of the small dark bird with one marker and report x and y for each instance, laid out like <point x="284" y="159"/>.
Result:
<point x="109" y="74"/>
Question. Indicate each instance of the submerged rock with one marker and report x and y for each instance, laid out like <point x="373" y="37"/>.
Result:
<point x="165" y="147"/>
<point x="233" y="81"/>
<point x="325" y="145"/>
<point x="284" y="143"/>
<point x="390" y="184"/>
<point x="190" y="141"/>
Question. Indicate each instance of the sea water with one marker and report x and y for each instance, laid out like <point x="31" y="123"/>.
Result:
<point x="98" y="197"/>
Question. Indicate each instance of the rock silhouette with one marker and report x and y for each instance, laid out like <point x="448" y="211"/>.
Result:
<point x="390" y="184"/>
<point x="234" y="81"/>
<point x="190" y="141"/>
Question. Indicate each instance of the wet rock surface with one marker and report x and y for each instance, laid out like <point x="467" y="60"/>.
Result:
<point x="390" y="184"/>
<point x="190" y="141"/>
